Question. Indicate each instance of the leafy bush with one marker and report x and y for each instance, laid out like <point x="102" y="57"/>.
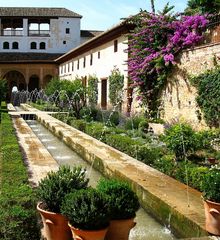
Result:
<point x="87" y="209"/>
<point x="196" y="176"/>
<point x="122" y="200"/>
<point x="211" y="185"/>
<point x="166" y="164"/>
<point x="123" y="143"/>
<point x="133" y="122"/>
<point x="79" y="124"/>
<point x="88" y="114"/>
<point x="18" y="218"/>
<point x="53" y="188"/>
<point x="109" y="117"/>
<point x="208" y="89"/>
<point x="181" y="139"/>
<point x="143" y="126"/>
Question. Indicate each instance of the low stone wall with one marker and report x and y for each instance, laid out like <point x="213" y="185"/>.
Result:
<point x="168" y="200"/>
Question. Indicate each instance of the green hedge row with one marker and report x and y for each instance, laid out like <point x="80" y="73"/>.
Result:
<point x="155" y="155"/>
<point x="18" y="219"/>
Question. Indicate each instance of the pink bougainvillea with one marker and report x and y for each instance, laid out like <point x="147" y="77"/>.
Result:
<point x="153" y="48"/>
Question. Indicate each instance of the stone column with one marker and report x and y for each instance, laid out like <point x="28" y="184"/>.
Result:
<point x="27" y="76"/>
<point x="25" y="26"/>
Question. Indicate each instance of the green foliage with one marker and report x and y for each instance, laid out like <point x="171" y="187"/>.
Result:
<point x="86" y="209"/>
<point x="143" y="126"/>
<point x="133" y="122"/>
<point x="208" y="89"/>
<point x="211" y="185"/>
<point x="53" y="86"/>
<point x="116" y="84"/>
<point x="122" y="200"/>
<point x="202" y="6"/>
<point x="92" y="90"/>
<point x="109" y="118"/>
<point x="79" y="124"/>
<point x="88" y="113"/>
<point x="53" y="188"/>
<point x="18" y="219"/>
<point x="181" y="139"/>
<point x="3" y="90"/>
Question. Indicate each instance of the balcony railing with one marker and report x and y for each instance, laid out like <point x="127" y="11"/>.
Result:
<point x="11" y="32"/>
<point x="42" y="33"/>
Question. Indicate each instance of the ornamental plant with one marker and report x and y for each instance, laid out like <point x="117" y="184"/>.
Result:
<point x="123" y="201"/>
<point x="54" y="187"/>
<point x="153" y="48"/>
<point x="86" y="209"/>
<point x="211" y="185"/>
<point x="116" y="84"/>
<point x="92" y="90"/>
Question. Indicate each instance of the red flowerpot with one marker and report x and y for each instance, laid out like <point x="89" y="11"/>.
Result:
<point x="55" y="225"/>
<point x="79" y="234"/>
<point x="120" y="229"/>
<point x="212" y="213"/>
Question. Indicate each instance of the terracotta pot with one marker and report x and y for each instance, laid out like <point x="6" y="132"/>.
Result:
<point x="55" y="225"/>
<point x="79" y="234"/>
<point x="212" y="214"/>
<point x="120" y="229"/>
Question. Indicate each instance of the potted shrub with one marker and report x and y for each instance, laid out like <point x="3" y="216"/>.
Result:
<point x="88" y="214"/>
<point x="211" y="196"/>
<point x="51" y="192"/>
<point x="123" y="204"/>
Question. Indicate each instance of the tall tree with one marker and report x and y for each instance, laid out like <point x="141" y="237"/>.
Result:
<point x="152" y="6"/>
<point x="202" y="6"/>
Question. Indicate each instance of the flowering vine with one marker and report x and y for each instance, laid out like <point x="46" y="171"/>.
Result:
<point x="153" y="47"/>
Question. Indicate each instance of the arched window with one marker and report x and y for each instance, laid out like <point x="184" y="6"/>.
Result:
<point x="5" y="45"/>
<point x="33" y="45"/>
<point x="15" y="45"/>
<point x="42" y="45"/>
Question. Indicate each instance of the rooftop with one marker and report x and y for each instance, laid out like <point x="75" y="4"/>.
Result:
<point x="27" y="57"/>
<point x="90" y="33"/>
<point x="37" y="12"/>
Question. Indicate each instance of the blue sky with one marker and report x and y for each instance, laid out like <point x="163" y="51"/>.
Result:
<point x="98" y="14"/>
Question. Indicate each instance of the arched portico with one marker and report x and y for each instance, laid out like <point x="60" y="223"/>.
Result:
<point x="15" y="78"/>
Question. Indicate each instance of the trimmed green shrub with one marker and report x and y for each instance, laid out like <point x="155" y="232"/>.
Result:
<point x="122" y="200"/>
<point x="92" y="90"/>
<point x="53" y="188"/>
<point x="143" y="126"/>
<point x="87" y="209"/>
<point x="18" y="216"/>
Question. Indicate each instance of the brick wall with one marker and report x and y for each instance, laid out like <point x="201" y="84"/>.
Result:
<point x="179" y="97"/>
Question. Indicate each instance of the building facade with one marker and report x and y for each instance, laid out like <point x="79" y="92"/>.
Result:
<point x="98" y="57"/>
<point x="31" y="39"/>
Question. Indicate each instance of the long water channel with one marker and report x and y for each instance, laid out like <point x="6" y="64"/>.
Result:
<point x="146" y="228"/>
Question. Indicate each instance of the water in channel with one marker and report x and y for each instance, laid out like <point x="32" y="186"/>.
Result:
<point x="146" y="227"/>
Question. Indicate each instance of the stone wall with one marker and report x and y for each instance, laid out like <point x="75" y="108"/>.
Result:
<point x="179" y="98"/>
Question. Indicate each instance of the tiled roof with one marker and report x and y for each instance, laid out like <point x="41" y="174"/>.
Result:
<point x="37" y="12"/>
<point x="30" y="57"/>
<point x="90" y="33"/>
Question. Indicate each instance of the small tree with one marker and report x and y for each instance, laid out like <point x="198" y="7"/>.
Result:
<point x="202" y="6"/>
<point x="93" y="90"/>
<point x="116" y="84"/>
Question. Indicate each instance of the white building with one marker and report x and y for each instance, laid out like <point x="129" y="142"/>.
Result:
<point x="98" y="57"/>
<point x="50" y="30"/>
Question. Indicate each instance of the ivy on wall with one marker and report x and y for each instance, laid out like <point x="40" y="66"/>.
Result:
<point x="116" y="84"/>
<point x="208" y="99"/>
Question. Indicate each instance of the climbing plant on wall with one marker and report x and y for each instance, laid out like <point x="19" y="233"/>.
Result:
<point x="93" y="90"/>
<point x="153" y="47"/>
<point x="116" y="84"/>
<point x="208" y="99"/>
